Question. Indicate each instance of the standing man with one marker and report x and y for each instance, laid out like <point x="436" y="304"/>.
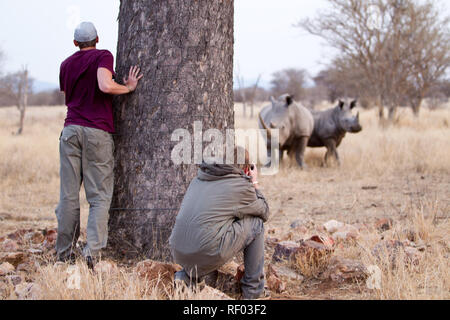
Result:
<point x="86" y="145"/>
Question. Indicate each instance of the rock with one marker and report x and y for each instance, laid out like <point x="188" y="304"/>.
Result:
<point x="373" y="282"/>
<point x="213" y="294"/>
<point x="346" y="233"/>
<point x="326" y="241"/>
<point x="9" y="245"/>
<point x="310" y="256"/>
<point x="6" y="268"/>
<point x="285" y="273"/>
<point x="34" y="237"/>
<point x="106" y="267"/>
<point x="157" y="272"/>
<point x="384" y="224"/>
<point x="229" y="277"/>
<point x="284" y="250"/>
<point x="28" y="291"/>
<point x="332" y="226"/>
<point x="50" y="238"/>
<point x="35" y="251"/>
<point x="240" y="272"/>
<point x="271" y="242"/>
<point x="14" y="279"/>
<point x="390" y="249"/>
<point x="15" y="258"/>
<point x="345" y="270"/>
<point x="4" y="290"/>
<point x="296" y="224"/>
<point x="274" y="283"/>
<point x="27" y="267"/>
<point x="18" y="235"/>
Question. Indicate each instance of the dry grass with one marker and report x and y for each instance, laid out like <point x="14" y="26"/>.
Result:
<point x="407" y="168"/>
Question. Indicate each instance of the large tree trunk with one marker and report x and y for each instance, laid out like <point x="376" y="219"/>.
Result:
<point x="185" y="50"/>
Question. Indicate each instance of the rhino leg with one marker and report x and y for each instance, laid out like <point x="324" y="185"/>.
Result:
<point x="269" y="156"/>
<point x="331" y="151"/>
<point x="300" y="152"/>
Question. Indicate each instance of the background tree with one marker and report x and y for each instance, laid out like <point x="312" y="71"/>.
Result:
<point x="241" y="92"/>
<point x="290" y="81"/>
<point x="47" y="98"/>
<point x="342" y="79"/>
<point x="15" y="89"/>
<point x="400" y="47"/>
<point x="185" y="50"/>
<point x="2" y="59"/>
<point x="248" y="95"/>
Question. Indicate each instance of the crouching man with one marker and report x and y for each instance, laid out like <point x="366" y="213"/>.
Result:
<point x="222" y="214"/>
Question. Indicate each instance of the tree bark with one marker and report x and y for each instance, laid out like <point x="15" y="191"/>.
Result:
<point x="185" y="51"/>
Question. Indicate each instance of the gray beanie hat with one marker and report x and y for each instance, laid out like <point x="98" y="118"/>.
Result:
<point x="85" y="32"/>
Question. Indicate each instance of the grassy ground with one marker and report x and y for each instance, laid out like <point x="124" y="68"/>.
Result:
<point x="400" y="172"/>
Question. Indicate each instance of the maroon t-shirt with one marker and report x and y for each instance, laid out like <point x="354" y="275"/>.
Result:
<point x="86" y="104"/>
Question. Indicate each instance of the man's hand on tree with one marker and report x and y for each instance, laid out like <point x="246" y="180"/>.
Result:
<point x="133" y="78"/>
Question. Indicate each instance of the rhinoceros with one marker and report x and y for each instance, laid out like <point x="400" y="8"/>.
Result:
<point x="330" y="127"/>
<point x="294" y="122"/>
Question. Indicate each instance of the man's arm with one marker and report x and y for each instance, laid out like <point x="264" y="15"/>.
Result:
<point x="257" y="208"/>
<point x="109" y="86"/>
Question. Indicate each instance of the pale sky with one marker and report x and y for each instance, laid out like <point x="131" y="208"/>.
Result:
<point x="39" y="34"/>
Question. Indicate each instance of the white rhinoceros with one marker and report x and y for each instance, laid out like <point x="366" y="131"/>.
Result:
<point x="294" y="122"/>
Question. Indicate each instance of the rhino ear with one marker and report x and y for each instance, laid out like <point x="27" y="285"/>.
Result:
<point x="353" y="104"/>
<point x="289" y="100"/>
<point x="341" y="104"/>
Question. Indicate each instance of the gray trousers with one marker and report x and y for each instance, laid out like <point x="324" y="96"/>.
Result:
<point x="252" y="283"/>
<point x="247" y="236"/>
<point x="86" y="155"/>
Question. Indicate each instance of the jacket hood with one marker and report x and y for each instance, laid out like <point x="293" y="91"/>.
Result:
<point x="210" y="172"/>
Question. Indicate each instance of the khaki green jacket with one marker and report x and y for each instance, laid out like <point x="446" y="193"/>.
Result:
<point x="217" y="197"/>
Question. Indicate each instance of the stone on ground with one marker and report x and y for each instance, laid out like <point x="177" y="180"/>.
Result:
<point x="345" y="270"/>
<point x="6" y="268"/>
<point x="333" y="225"/>
<point x="28" y="291"/>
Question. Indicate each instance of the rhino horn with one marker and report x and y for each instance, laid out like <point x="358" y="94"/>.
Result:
<point x="269" y="132"/>
<point x="272" y="99"/>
